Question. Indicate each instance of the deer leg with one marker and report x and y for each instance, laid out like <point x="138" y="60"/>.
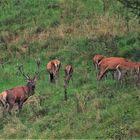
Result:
<point x="56" y="77"/>
<point x="114" y="75"/>
<point x="10" y="108"/>
<point x="65" y="94"/>
<point x="5" y="108"/>
<point x="20" y="104"/>
<point x="51" y="78"/>
<point x="65" y="89"/>
<point x="124" y="76"/>
<point x="101" y="74"/>
<point x="120" y="77"/>
<point x="98" y="72"/>
<point x="3" y="103"/>
<point x="119" y="74"/>
<point x="96" y="66"/>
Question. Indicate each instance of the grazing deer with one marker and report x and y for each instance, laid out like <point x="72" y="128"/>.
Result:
<point x="53" y="69"/>
<point x="131" y="68"/>
<point x="96" y="60"/>
<point x="19" y="94"/>
<point x="68" y="75"/>
<point x="109" y="64"/>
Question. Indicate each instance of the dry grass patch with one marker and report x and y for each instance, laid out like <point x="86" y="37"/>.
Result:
<point x="100" y="25"/>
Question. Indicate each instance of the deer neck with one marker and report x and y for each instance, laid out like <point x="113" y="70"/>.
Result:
<point x="30" y="90"/>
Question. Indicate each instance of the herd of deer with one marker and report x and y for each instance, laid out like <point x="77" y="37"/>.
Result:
<point x="19" y="94"/>
<point x="103" y="64"/>
<point x="121" y="65"/>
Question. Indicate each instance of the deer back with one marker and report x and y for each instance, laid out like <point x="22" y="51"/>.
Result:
<point x="128" y="65"/>
<point x="112" y="62"/>
<point x="51" y="68"/>
<point x="18" y="93"/>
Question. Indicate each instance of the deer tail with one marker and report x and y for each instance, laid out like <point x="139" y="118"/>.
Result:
<point x="3" y="97"/>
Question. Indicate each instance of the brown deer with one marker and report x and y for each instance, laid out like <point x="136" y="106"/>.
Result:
<point x="96" y="60"/>
<point x="19" y="94"/>
<point x="109" y="64"/>
<point x="53" y="69"/>
<point x="131" y="68"/>
<point x="68" y="75"/>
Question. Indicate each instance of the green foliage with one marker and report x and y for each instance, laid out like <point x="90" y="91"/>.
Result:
<point x="130" y="47"/>
<point x="17" y="15"/>
<point x="72" y="31"/>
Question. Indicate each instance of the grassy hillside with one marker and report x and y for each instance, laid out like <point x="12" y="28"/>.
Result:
<point x="72" y="31"/>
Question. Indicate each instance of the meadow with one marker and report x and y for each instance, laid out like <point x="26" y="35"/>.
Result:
<point x="72" y="31"/>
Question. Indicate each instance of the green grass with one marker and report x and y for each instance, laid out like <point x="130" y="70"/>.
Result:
<point x="73" y="32"/>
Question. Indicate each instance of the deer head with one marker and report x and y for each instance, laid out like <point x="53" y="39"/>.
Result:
<point x="31" y="82"/>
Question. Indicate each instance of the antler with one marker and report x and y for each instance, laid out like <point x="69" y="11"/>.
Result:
<point x="20" y="68"/>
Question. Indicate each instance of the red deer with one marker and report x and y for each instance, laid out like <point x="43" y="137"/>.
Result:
<point x="109" y="64"/>
<point x="68" y="75"/>
<point x="53" y="69"/>
<point x="19" y="94"/>
<point x="96" y="59"/>
<point x="131" y="68"/>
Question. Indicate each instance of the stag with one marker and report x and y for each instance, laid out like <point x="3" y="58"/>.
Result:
<point x="53" y="69"/>
<point x="68" y="75"/>
<point x="19" y="94"/>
